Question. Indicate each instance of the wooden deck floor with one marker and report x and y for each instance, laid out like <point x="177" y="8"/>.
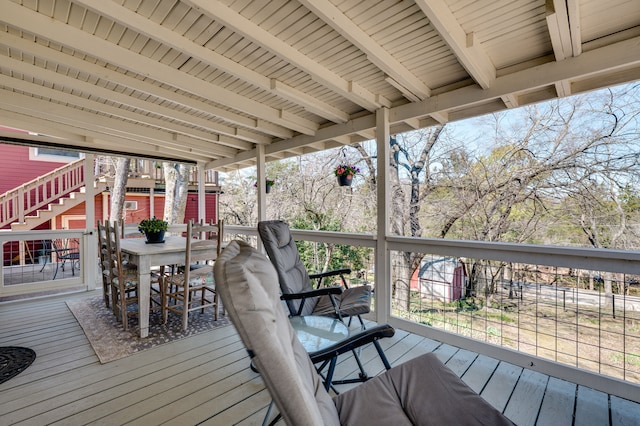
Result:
<point x="205" y="379"/>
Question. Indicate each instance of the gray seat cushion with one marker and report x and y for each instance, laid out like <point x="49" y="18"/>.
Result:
<point x="353" y="301"/>
<point x="248" y="285"/>
<point x="422" y="391"/>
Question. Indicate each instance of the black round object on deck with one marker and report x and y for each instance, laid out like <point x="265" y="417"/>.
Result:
<point x="14" y="360"/>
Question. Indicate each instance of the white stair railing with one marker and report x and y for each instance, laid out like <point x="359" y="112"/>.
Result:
<point x="39" y="192"/>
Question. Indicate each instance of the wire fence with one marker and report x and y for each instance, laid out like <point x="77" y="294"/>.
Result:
<point x="583" y="318"/>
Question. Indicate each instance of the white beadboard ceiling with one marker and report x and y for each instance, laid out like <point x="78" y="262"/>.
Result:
<point x="207" y="81"/>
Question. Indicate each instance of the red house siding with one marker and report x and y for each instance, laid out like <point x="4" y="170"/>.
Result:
<point x="16" y="168"/>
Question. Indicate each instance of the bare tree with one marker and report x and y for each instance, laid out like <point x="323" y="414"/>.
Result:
<point x="176" y="176"/>
<point x="415" y="163"/>
<point x="119" y="188"/>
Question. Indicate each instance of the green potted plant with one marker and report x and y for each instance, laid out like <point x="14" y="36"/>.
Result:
<point x="345" y="174"/>
<point x="269" y="183"/>
<point x="153" y="229"/>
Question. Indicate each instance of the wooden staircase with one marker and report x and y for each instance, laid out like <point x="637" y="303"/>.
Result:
<point x="45" y="197"/>
<point x="54" y="209"/>
<point x="42" y="199"/>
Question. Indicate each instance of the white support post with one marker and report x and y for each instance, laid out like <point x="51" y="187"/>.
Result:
<point x="152" y="203"/>
<point x="92" y="277"/>
<point x="383" y="258"/>
<point x="202" y="196"/>
<point x="262" y="186"/>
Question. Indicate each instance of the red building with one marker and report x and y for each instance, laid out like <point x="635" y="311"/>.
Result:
<point x="43" y="189"/>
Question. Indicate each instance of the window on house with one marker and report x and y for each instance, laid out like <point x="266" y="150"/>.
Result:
<point x="52" y="154"/>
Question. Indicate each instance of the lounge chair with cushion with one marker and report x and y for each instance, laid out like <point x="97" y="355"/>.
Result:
<point x="420" y="392"/>
<point x="297" y="285"/>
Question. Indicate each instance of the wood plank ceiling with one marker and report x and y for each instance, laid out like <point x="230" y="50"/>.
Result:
<point x="208" y="80"/>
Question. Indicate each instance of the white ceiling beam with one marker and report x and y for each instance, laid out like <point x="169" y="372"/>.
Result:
<point x="360" y="125"/>
<point x="157" y="32"/>
<point x="66" y="35"/>
<point x="414" y="123"/>
<point x="467" y="50"/>
<point x="337" y="20"/>
<point x="558" y="24"/>
<point x="47" y="54"/>
<point x="241" y="25"/>
<point x="93" y="140"/>
<point x="611" y="58"/>
<point x="59" y="80"/>
<point x="130" y="133"/>
<point x="510" y="100"/>
<point x="573" y="8"/>
<point x="309" y="103"/>
<point x="38" y="125"/>
<point x="405" y="92"/>
<point x="621" y="55"/>
<point x="441" y="117"/>
<point x="206" y="146"/>
<point x="367" y="134"/>
<point x="563" y="88"/>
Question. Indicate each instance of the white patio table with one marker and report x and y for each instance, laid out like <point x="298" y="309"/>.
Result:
<point x="171" y="252"/>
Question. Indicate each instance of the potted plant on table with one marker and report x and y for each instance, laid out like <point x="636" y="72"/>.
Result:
<point x="153" y="229"/>
<point x="345" y="174"/>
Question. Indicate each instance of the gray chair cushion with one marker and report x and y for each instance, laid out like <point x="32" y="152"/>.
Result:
<point x="248" y="285"/>
<point x="282" y="250"/>
<point x="353" y="301"/>
<point x="422" y="391"/>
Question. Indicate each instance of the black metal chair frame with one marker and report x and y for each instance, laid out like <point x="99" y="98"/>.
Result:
<point x="63" y="254"/>
<point x="329" y="357"/>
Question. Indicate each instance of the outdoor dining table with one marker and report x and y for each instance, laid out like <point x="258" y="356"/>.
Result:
<point x="145" y="255"/>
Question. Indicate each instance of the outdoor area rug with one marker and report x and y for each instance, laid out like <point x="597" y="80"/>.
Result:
<point x="110" y="342"/>
<point x="14" y="360"/>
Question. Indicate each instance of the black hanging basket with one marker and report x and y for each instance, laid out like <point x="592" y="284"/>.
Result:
<point x="267" y="189"/>
<point x="345" y="180"/>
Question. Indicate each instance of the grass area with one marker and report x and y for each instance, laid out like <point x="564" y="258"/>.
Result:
<point x="585" y="336"/>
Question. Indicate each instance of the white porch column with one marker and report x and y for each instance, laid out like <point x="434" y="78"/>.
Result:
<point x="152" y="203"/>
<point x="383" y="258"/>
<point x="262" y="186"/>
<point x="202" y="199"/>
<point x="91" y="275"/>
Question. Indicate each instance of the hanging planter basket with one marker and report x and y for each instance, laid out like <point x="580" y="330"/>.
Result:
<point x="345" y="174"/>
<point x="345" y="180"/>
<point x="269" y="183"/>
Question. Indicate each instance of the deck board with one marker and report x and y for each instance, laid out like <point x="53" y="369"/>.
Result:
<point x="558" y="403"/>
<point x="591" y="407"/>
<point x="478" y="374"/>
<point x="461" y="361"/>
<point x="205" y="379"/>
<point x="624" y="412"/>
<point x="498" y="389"/>
<point x="526" y="398"/>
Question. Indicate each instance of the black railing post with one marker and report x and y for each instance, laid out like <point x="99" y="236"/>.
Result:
<point x="613" y="305"/>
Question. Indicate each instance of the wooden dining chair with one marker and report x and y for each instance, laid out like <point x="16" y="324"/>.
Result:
<point x="104" y="253"/>
<point x="193" y="288"/>
<point x="123" y="280"/>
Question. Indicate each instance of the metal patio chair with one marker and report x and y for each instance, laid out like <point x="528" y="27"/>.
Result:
<point x="297" y="285"/>
<point x="419" y="392"/>
<point x="61" y="251"/>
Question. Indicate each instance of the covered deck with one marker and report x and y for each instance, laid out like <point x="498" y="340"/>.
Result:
<point x="225" y="85"/>
<point x="206" y="379"/>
